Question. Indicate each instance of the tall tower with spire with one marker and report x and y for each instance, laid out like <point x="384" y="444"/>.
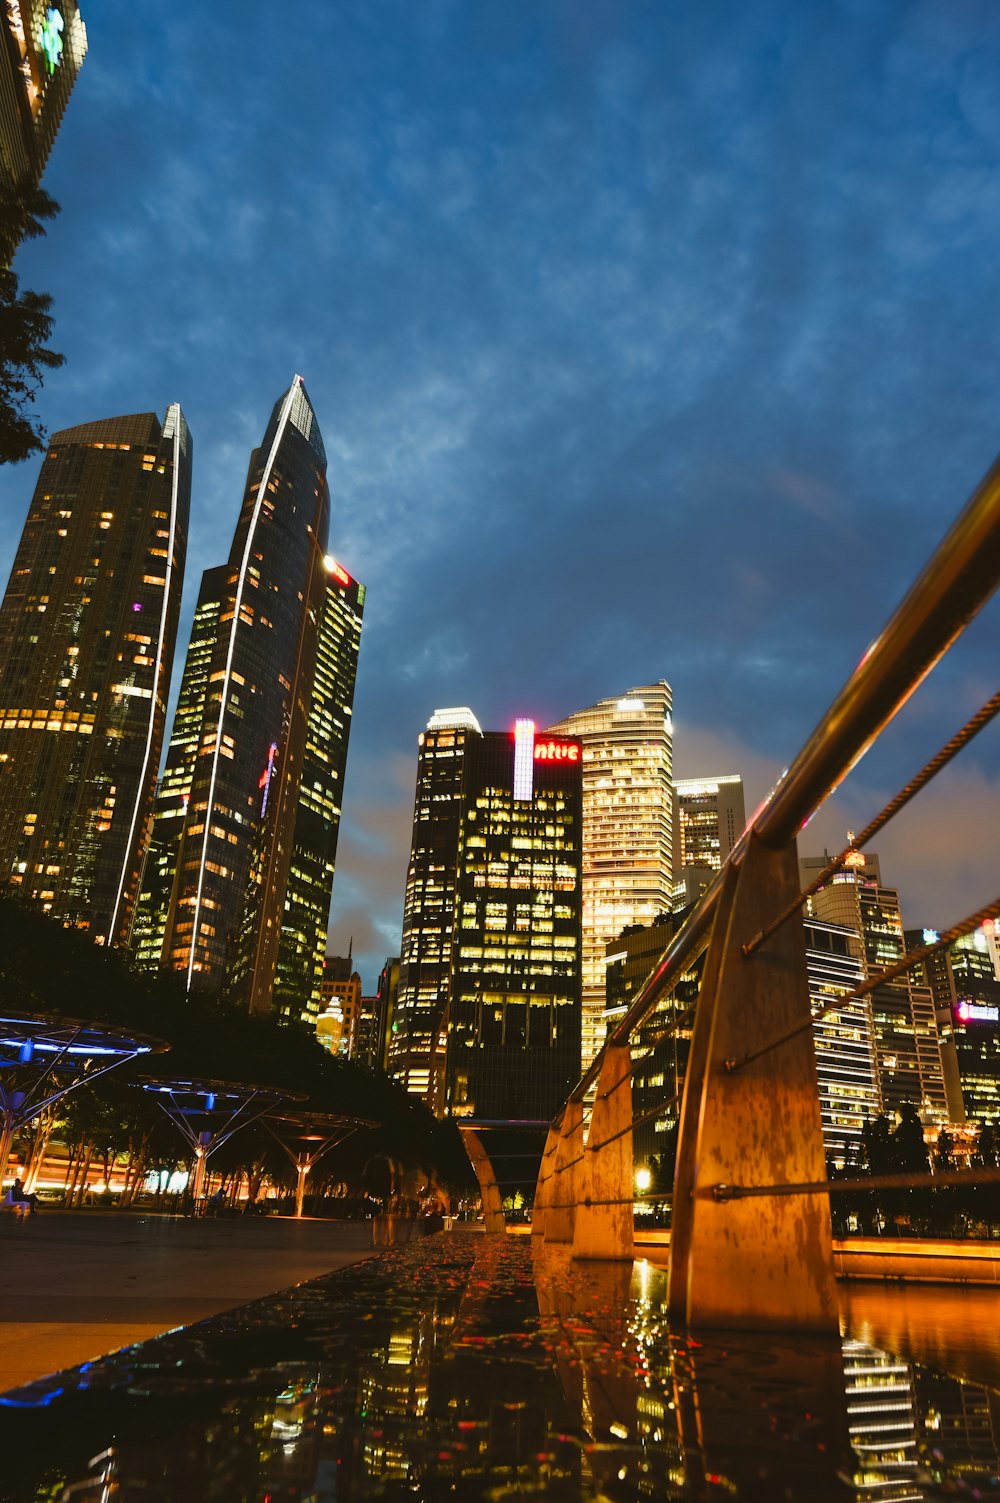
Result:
<point x="238" y="880"/>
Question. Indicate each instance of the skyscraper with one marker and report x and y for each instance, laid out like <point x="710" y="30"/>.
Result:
<point x="44" y="45"/>
<point x="627" y="859"/>
<point x="87" y="633"/>
<point x="238" y="882"/>
<point x="907" y="1044"/>
<point x="487" y="1022"/>
<point x="709" y="818"/>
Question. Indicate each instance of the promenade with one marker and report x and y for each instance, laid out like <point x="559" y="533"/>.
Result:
<point x="479" y="1367"/>
<point x="76" y="1285"/>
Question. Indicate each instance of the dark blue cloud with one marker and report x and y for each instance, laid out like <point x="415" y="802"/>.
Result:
<point x="647" y="340"/>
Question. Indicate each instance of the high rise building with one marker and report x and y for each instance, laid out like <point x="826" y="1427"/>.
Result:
<point x="44" y="45"/>
<point x="963" y="982"/>
<point x="908" y="1046"/>
<point x="385" y="1011"/>
<point x="487" y="1022"/>
<point x="844" y="1038"/>
<point x="238" y="882"/>
<point x="87" y="633"/>
<point x="340" y="1004"/>
<point x="416" y="1030"/>
<point x="709" y="818"/>
<point x="627" y="859"/>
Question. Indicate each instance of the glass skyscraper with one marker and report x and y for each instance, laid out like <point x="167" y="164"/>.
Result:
<point x="87" y="633"/>
<point x="487" y="1022"/>
<point x="237" y="884"/>
<point x="627" y="859"/>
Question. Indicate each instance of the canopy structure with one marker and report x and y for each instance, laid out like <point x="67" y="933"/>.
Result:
<point x="44" y="1058"/>
<point x="208" y="1112"/>
<point x="307" y="1136"/>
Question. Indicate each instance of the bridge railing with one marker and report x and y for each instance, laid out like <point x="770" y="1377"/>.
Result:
<point x="751" y="1239"/>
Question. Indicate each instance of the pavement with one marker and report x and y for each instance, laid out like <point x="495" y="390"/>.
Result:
<point x="77" y="1285"/>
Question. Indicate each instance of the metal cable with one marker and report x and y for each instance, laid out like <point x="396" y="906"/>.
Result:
<point x="920" y="780"/>
<point x="881" y="978"/>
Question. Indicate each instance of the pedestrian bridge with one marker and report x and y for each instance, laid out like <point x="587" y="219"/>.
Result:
<point x="751" y="1231"/>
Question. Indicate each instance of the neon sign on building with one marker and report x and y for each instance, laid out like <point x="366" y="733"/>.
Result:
<point x="50" y="38"/>
<point x="977" y="1012"/>
<point x="266" y="775"/>
<point x="557" y="751"/>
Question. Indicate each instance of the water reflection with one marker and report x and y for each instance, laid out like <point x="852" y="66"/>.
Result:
<point x="460" y="1368"/>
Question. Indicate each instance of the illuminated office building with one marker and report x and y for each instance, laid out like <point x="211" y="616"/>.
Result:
<point x="907" y="1042"/>
<point x="416" y="1030"/>
<point x="627" y="859"/>
<point x="87" y="633"/>
<point x="487" y="1022"/>
<point x="966" y="993"/>
<point x="844" y="1038"/>
<point x="44" y="44"/>
<point x="708" y="819"/>
<point x="246" y="826"/>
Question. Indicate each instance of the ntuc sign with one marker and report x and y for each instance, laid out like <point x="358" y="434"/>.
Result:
<point x="556" y="751"/>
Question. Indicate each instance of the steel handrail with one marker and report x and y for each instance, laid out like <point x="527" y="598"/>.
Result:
<point x="955" y="584"/>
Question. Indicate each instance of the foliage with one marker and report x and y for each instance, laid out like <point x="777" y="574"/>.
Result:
<point x="45" y="968"/>
<point x="25" y="324"/>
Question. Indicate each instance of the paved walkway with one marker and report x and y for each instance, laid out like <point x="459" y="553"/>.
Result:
<point x="74" y="1286"/>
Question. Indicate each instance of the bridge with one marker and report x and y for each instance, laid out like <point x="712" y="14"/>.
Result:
<point x="751" y="1243"/>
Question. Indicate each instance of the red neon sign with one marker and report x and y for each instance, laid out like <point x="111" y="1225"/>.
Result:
<point x="556" y="751"/>
<point x="339" y="573"/>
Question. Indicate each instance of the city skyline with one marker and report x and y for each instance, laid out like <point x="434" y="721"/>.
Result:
<point x="577" y="298"/>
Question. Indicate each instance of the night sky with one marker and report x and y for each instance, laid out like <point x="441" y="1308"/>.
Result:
<point x="647" y="340"/>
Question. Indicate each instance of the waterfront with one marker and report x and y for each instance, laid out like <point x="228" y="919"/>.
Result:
<point x="464" y="1366"/>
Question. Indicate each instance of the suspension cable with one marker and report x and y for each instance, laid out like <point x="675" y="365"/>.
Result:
<point x="881" y="978"/>
<point x="961" y="738"/>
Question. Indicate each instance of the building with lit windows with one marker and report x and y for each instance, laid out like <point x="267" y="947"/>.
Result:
<point x="844" y="1038"/>
<point x="247" y="820"/>
<point x="87" y="634"/>
<point x="416" y="1029"/>
<point x="44" y="44"/>
<point x="487" y="1020"/>
<point x="627" y="858"/>
<point x="966" y="990"/>
<point x="708" y="819"/>
<point x="340" y="1006"/>
<point x="907" y="1042"/>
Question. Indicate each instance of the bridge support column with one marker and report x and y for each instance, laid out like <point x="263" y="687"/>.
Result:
<point x="604" y="1221"/>
<point x="764" y="1262"/>
<point x="543" y="1188"/>
<point x="488" y="1187"/>
<point x="567" y="1177"/>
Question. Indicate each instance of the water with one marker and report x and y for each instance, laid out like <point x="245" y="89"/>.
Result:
<point x="460" y="1368"/>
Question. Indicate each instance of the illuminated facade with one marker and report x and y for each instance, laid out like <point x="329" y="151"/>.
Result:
<point x="709" y="818"/>
<point x="966" y="991"/>
<point x="627" y="859"/>
<point x="415" y="1035"/>
<point x="87" y="633"/>
<point x="845" y="1041"/>
<point x="907" y="1043"/>
<point x="487" y="1021"/>
<point x="44" y="45"/>
<point x="250" y="799"/>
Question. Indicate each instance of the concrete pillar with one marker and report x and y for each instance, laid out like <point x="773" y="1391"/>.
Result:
<point x="763" y="1262"/>
<point x="603" y="1225"/>
<point x="546" y="1172"/>
<point x="488" y="1187"/>
<point x="567" y="1177"/>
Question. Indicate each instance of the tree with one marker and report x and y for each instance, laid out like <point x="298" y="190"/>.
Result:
<point x="25" y="324"/>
